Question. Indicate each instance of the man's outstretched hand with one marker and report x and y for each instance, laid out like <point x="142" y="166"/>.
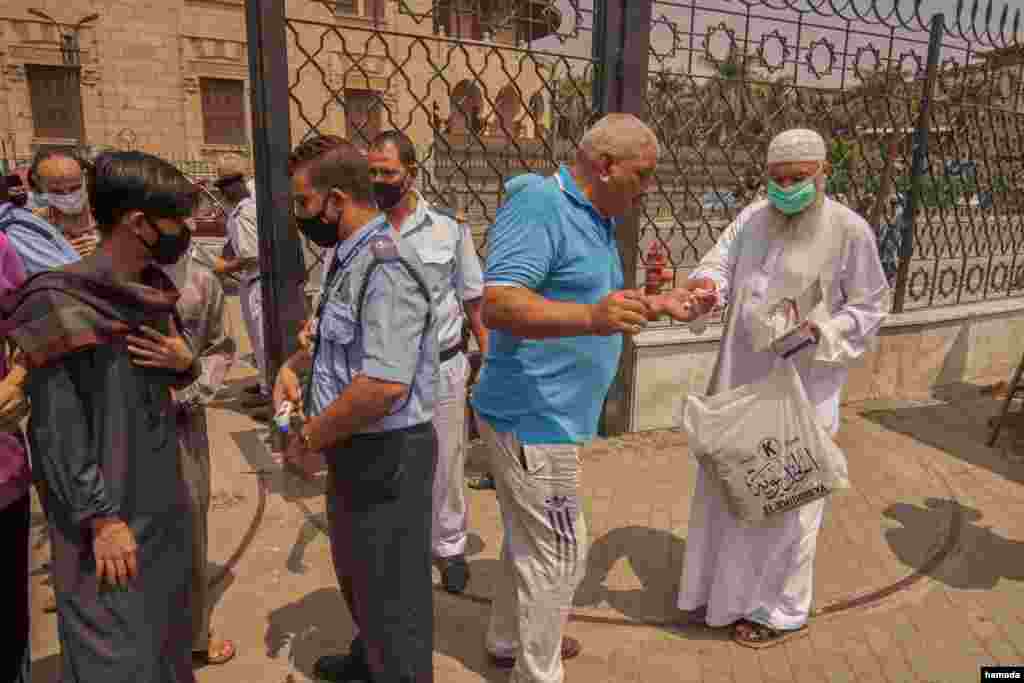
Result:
<point x="683" y="305"/>
<point x="623" y="311"/>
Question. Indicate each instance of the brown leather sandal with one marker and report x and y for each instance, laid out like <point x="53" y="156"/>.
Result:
<point x="759" y="636"/>
<point x="223" y="655"/>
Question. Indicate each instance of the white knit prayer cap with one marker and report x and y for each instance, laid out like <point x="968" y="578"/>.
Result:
<point x="793" y="146"/>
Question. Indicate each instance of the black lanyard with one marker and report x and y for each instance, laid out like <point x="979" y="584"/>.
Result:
<point x="333" y="273"/>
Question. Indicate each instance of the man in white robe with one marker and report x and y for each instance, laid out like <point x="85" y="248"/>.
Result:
<point x="759" y="578"/>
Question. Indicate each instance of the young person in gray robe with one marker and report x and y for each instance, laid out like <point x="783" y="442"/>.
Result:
<point x="201" y="308"/>
<point x="96" y="335"/>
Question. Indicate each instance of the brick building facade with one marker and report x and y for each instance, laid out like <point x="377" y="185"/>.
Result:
<point x="171" y="76"/>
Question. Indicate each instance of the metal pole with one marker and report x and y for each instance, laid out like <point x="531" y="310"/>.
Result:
<point x="283" y="304"/>
<point x="625" y="31"/>
<point x="919" y="163"/>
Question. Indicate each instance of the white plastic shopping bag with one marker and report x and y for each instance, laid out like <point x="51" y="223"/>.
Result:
<point x="763" y="443"/>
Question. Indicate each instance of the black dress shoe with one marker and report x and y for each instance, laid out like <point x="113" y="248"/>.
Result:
<point x="344" y="668"/>
<point x="454" y="573"/>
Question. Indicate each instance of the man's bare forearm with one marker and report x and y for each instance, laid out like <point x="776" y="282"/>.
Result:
<point x="475" y="313"/>
<point x="360" y="405"/>
<point x="700" y="283"/>
<point x="526" y="314"/>
<point x="301" y="361"/>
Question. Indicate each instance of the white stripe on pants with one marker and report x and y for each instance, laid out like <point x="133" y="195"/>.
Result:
<point x="449" y="527"/>
<point x="251" y="295"/>
<point x="543" y="554"/>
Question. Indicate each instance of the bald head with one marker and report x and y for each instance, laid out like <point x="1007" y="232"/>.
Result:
<point x="615" y="163"/>
<point x="57" y="173"/>
<point x="620" y="136"/>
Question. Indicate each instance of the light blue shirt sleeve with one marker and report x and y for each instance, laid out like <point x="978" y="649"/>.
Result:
<point x="394" y="320"/>
<point x="469" y="277"/>
<point x="520" y="248"/>
<point x="39" y="253"/>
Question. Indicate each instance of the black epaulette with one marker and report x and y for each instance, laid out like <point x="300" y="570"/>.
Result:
<point x="384" y="249"/>
<point x="445" y="211"/>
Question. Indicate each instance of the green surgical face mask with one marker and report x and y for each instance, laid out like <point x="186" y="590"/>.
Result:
<point x="792" y="200"/>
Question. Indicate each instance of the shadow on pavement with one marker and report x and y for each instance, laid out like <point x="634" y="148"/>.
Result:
<point x="655" y="558"/>
<point x="253" y="447"/>
<point x="315" y="625"/>
<point x="221" y="579"/>
<point x="460" y="627"/>
<point x="981" y="557"/>
<point x="957" y="426"/>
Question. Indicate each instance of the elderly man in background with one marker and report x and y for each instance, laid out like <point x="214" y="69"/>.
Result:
<point x="760" y="578"/>
<point x="556" y="306"/>
<point x="243" y="236"/>
<point x="56" y="178"/>
<point x="40" y="245"/>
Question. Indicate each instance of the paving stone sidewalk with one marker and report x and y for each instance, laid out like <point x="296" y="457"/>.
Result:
<point x="919" y="577"/>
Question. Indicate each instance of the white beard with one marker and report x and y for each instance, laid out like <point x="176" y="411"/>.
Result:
<point x="803" y="224"/>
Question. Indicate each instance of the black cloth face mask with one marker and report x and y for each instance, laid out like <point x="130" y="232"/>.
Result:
<point x="388" y="194"/>
<point x="317" y="230"/>
<point x="168" y="249"/>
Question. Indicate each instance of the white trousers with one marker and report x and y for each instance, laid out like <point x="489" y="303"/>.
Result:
<point x="543" y="553"/>
<point x="762" y="573"/>
<point x="449" y="525"/>
<point x="251" y="294"/>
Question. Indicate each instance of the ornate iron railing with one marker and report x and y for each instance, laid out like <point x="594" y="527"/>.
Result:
<point x="725" y="77"/>
<point x="459" y="78"/>
<point x="489" y="89"/>
<point x="922" y="112"/>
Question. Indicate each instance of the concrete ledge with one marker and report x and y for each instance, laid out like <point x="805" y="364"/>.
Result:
<point x="681" y="334"/>
<point x="917" y="352"/>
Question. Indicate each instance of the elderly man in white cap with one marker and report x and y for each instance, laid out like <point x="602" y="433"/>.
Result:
<point x="759" y="578"/>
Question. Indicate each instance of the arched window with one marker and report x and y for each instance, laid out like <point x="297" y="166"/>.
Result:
<point x="466" y="109"/>
<point x="506" y="110"/>
<point x="538" y="112"/>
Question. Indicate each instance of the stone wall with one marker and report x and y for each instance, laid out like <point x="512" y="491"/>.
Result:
<point x="142" y="62"/>
<point x="917" y="355"/>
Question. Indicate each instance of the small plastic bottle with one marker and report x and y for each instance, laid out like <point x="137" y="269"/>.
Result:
<point x="282" y="425"/>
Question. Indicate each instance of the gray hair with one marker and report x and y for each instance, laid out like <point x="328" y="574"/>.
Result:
<point x="620" y="136"/>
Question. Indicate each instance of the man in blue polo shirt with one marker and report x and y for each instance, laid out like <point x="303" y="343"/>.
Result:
<point x="555" y="303"/>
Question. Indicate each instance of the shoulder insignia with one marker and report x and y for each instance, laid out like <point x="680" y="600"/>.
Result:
<point x="384" y="248"/>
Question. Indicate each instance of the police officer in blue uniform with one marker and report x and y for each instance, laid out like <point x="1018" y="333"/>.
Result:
<point x="370" y="403"/>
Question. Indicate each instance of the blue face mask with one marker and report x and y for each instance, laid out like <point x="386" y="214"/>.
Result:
<point x="794" y="199"/>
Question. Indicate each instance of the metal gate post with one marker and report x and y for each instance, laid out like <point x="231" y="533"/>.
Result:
<point x="622" y="39"/>
<point x="282" y="284"/>
<point x="919" y="164"/>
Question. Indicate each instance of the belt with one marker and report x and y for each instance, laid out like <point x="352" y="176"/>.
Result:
<point x="448" y="354"/>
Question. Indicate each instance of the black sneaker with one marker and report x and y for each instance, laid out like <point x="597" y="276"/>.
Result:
<point x="454" y="573"/>
<point x="344" y="668"/>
